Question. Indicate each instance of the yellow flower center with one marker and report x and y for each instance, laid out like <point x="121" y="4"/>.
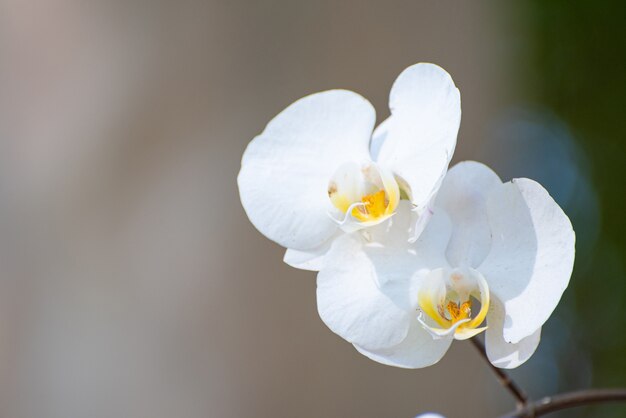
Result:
<point x="445" y="299"/>
<point x="459" y="312"/>
<point x="368" y="193"/>
<point x="374" y="207"/>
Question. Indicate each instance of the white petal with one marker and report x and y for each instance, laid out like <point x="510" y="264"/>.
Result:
<point x="420" y="135"/>
<point x="312" y="260"/>
<point x="350" y="302"/>
<point x="501" y="353"/>
<point x="422" y="214"/>
<point x="532" y="255"/>
<point x="367" y="290"/>
<point x="378" y="138"/>
<point x="285" y="171"/>
<point x="419" y="349"/>
<point x="463" y="195"/>
<point x="428" y="252"/>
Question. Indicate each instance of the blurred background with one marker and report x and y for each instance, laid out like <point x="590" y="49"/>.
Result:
<point x="133" y="285"/>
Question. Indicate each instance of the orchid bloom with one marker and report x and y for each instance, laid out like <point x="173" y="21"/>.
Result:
<point x="494" y="257"/>
<point x="318" y="172"/>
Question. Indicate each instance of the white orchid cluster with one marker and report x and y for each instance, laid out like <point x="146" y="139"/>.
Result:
<point x="410" y="255"/>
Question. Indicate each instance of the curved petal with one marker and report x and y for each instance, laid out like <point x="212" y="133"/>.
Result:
<point x="378" y="138"/>
<point x="438" y="333"/>
<point x="418" y="139"/>
<point x="350" y="302"/>
<point x="463" y="195"/>
<point x="419" y="349"/>
<point x="283" y="182"/>
<point x="312" y="260"/>
<point x="367" y="290"/>
<point x="390" y="247"/>
<point x="531" y="257"/>
<point x="504" y="354"/>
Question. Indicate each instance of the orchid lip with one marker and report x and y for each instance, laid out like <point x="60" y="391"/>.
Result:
<point x="438" y="333"/>
<point x="445" y="300"/>
<point x="364" y="195"/>
<point x="351" y="224"/>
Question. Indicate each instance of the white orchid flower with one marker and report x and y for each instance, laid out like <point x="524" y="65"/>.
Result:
<point x="492" y="252"/>
<point x="317" y="171"/>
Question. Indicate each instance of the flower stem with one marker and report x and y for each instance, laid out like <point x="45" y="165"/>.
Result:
<point x="567" y="400"/>
<point x="529" y="409"/>
<point x="504" y="379"/>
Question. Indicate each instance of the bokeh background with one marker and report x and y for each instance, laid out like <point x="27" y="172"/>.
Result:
<point x="132" y="284"/>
